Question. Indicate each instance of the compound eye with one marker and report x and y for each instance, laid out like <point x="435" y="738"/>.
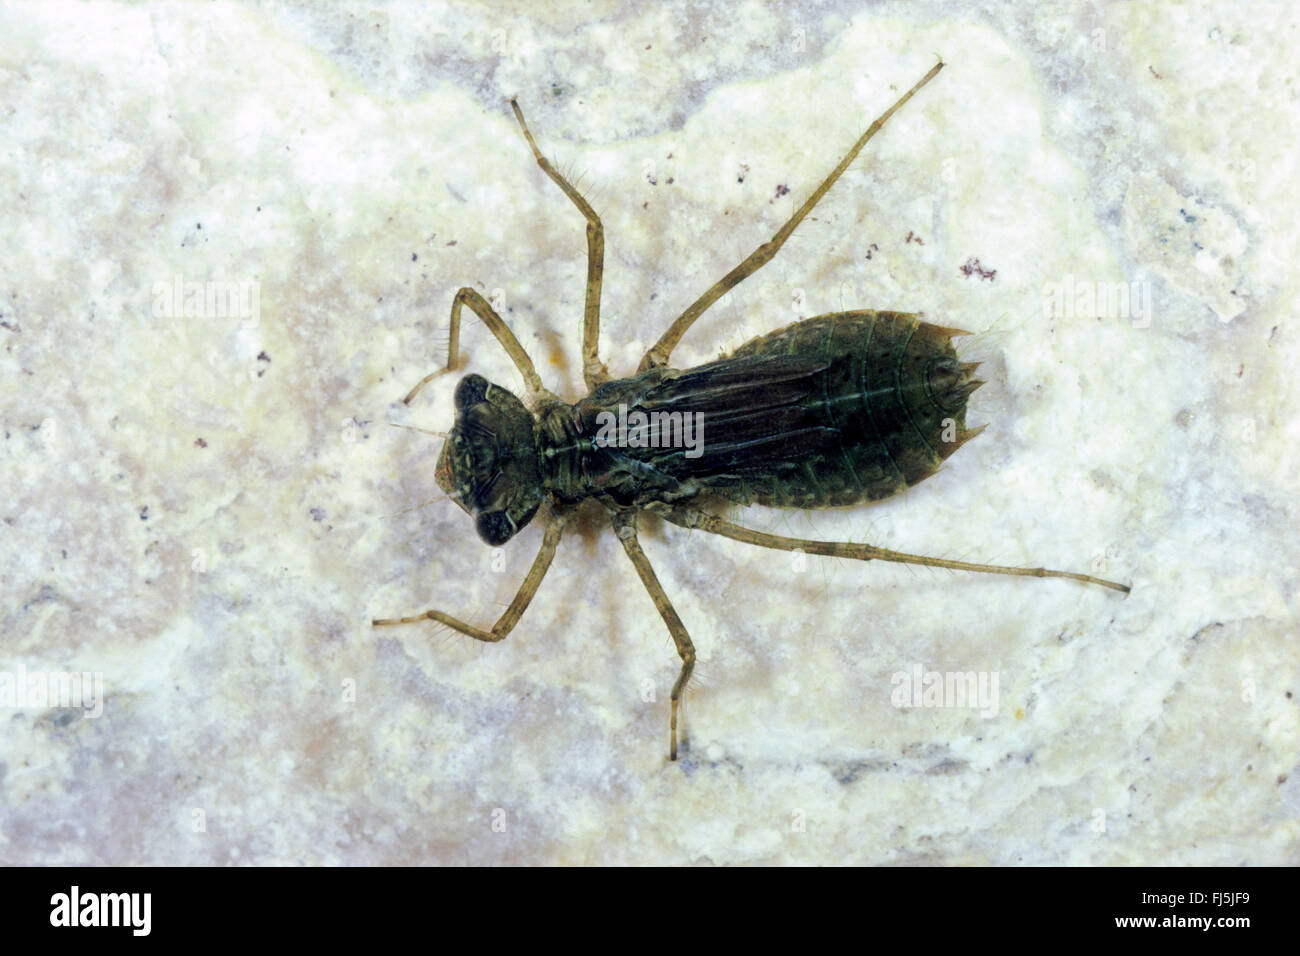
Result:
<point x="471" y="391"/>
<point x="494" y="527"/>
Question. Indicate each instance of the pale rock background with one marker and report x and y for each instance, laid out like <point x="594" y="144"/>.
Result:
<point x="208" y="509"/>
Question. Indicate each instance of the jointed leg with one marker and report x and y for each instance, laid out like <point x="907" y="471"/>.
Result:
<point x="593" y="370"/>
<point x="510" y="618"/>
<point x="497" y="326"/>
<point x="661" y="350"/>
<point x="625" y="528"/>
<point x="694" y="518"/>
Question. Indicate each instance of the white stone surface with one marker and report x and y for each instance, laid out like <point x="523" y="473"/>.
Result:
<point x="207" y="510"/>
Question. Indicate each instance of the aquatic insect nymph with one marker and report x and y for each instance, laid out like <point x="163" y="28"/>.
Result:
<point x="833" y="410"/>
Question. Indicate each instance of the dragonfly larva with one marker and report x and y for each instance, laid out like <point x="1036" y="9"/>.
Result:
<point x="833" y="410"/>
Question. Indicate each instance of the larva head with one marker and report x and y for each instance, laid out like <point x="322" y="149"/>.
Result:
<point x="489" y="464"/>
